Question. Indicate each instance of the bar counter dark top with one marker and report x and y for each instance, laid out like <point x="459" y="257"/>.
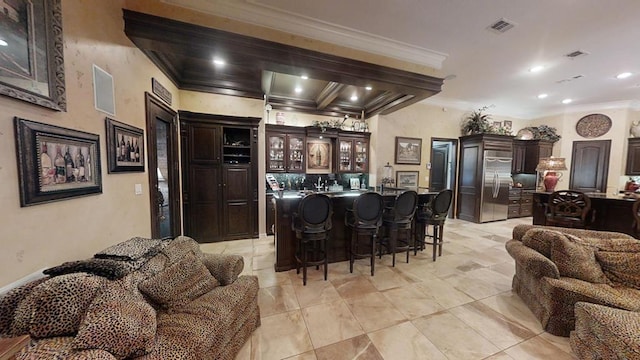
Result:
<point x="286" y="203"/>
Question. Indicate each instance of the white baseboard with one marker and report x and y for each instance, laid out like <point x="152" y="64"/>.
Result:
<point x="33" y="276"/>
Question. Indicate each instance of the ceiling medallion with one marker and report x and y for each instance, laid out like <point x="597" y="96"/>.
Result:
<point x="593" y="125"/>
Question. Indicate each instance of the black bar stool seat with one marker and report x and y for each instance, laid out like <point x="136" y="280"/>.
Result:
<point x="311" y="225"/>
<point x="397" y="222"/>
<point x="364" y="220"/>
<point x="434" y="214"/>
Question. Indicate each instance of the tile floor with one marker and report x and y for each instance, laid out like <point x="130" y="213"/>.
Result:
<point x="459" y="307"/>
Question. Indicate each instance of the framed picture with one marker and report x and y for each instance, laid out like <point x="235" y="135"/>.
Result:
<point x="319" y="157"/>
<point x="408" y="150"/>
<point x="497" y="124"/>
<point x="407" y="179"/>
<point x="125" y="147"/>
<point x="32" y="62"/>
<point x="508" y="125"/>
<point x="55" y="163"/>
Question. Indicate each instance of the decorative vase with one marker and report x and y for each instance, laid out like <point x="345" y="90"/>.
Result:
<point x="551" y="180"/>
<point x="635" y="129"/>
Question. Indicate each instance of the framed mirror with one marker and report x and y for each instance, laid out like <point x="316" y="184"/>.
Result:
<point x="31" y="55"/>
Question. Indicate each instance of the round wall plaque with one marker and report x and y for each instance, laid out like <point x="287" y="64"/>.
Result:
<point x="593" y="125"/>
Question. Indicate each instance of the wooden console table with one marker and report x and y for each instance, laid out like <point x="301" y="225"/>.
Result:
<point x="9" y="347"/>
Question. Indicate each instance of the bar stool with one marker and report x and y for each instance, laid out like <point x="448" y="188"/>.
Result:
<point x="433" y="213"/>
<point x="397" y="220"/>
<point x="364" y="219"/>
<point x="311" y="224"/>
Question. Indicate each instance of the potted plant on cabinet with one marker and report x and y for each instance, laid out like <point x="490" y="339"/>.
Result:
<point x="477" y="123"/>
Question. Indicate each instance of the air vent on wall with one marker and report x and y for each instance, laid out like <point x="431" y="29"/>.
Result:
<point x="575" y="54"/>
<point x="501" y="26"/>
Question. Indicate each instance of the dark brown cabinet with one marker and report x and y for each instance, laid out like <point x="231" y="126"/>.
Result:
<point x="470" y="189"/>
<point x="633" y="156"/>
<point x="285" y="149"/>
<point x="219" y="160"/>
<point x="353" y="153"/>
<point x="520" y="202"/>
<point x="271" y="214"/>
<point x="527" y="155"/>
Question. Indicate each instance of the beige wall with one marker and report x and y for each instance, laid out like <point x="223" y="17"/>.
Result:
<point x="43" y="235"/>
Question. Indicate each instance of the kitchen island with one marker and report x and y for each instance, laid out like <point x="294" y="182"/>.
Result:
<point x="612" y="212"/>
<point x="286" y="204"/>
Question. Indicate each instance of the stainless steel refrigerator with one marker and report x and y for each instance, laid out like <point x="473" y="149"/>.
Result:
<point x="494" y="201"/>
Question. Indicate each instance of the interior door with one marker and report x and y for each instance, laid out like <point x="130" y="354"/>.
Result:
<point x="443" y="172"/>
<point x="589" y="165"/>
<point x="162" y="157"/>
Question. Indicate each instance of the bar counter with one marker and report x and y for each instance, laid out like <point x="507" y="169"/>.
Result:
<point x="612" y="212"/>
<point x="286" y="204"/>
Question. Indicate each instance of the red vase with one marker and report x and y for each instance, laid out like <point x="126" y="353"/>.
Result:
<point x="550" y="181"/>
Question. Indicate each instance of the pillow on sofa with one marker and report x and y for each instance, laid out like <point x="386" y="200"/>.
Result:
<point x="10" y="301"/>
<point x="56" y="307"/>
<point x="225" y="268"/>
<point x="179" y="283"/>
<point x="621" y="267"/>
<point x="576" y="260"/>
<point x="119" y="323"/>
<point x="540" y="240"/>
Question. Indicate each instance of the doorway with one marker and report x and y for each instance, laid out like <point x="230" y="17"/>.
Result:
<point x="443" y="165"/>
<point x="590" y="166"/>
<point x="164" y="179"/>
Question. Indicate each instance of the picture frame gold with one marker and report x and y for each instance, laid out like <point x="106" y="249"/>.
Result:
<point x="32" y="65"/>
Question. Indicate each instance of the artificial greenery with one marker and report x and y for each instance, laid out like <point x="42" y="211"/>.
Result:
<point x="544" y="132"/>
<point x="328" y="124"/>
<point x="477" y="123"/>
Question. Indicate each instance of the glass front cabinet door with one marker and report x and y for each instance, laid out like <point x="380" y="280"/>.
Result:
<point x="345" y="155"/>
<point x="361" y="155"/>
<point x="296" y="153"/>
<point x="276" y="153"/>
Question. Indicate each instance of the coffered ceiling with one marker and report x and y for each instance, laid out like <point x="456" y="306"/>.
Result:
<point x="204" y="59"/>
<point x="482" y="67"/>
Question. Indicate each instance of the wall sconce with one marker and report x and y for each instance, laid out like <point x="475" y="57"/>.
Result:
<point x="551" y="165"/>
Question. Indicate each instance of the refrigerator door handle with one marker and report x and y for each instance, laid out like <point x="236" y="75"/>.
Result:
<point x="496" y="184"/>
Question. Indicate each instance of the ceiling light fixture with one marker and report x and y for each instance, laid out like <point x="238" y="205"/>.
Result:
<point x="218" y="62"/>
<point x="567" y="101"/>
<point x="623" y="75"/>
<point x="368" y="88"/>
<point x="304" y="77"/>
<point x="3" y="43"/>
<point x="536" y="68"/>
<point x="298" y="89"/>
<point x="542" y="96"/>
<point x="354" y="97"/>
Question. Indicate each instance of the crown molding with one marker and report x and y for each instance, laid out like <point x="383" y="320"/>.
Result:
<point x="252" y="12"/>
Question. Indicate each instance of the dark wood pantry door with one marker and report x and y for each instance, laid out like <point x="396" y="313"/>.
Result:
<point x="590" y="165"/>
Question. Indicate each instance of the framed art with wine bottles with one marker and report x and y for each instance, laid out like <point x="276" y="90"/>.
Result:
<point x="56" y="163"/>
<point x="125" y="147"/>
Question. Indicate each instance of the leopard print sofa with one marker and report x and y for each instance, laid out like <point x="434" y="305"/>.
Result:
<point x="172" y="302"/>
<point x="559" y="267"/>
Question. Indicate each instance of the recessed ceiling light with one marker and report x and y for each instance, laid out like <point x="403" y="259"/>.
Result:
<point x="218" y="62"/>
<point x="542" y="96"/>
<point x="368" y="88"/>
<point x="3" y="43"/>
<point x="298" y="90"/>
<point x="354" y="97"/>
<point x="536" y="68"/>
<point x="304" y="77"/>
<point x="623" y="75"/>
<point x="567" y="101"/>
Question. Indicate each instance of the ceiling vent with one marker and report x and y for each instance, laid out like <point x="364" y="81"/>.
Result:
<point x="501" y="26"/>
<point x="575" y="54"/>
